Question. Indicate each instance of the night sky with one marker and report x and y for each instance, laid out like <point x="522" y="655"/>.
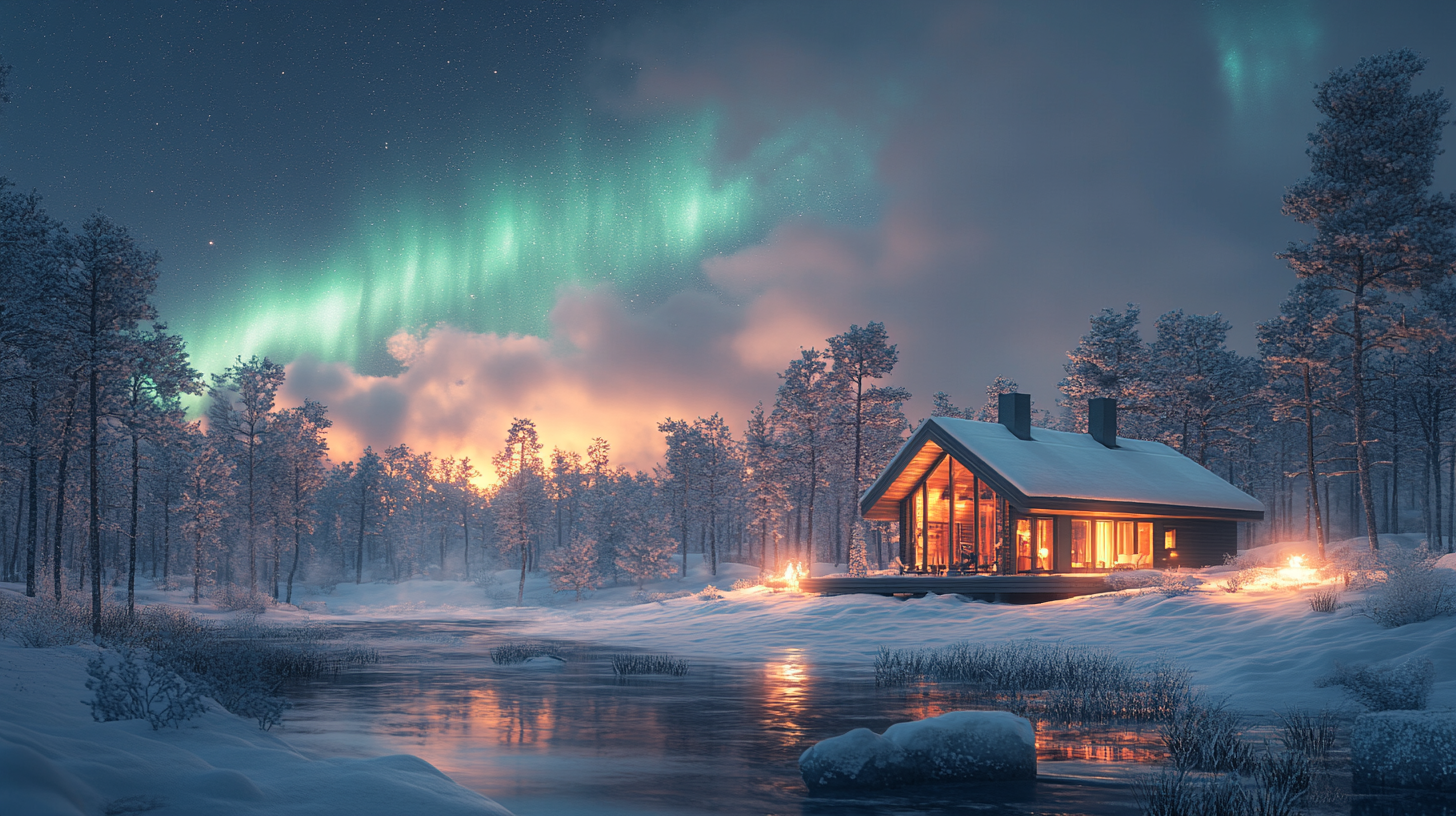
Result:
<point x="599" y="214"/>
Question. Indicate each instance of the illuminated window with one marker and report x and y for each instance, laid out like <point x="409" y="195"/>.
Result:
<point x="1102" y="544"/>
<point x="1044" y="544"/>
<point x="1081" y="544"/>
<point x="1126" y="553"/>
<point x="1144" y="546"/>
<point x="1170" y="539"/>
<point x="1023" y="545"/>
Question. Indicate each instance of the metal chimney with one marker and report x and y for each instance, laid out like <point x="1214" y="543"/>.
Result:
<point x="1014" y="411"/>
<point x="1102" y="420"/>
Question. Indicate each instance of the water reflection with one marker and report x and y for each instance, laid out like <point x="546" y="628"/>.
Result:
<point x="572" y="738"/>
<point x="785" y="699"/>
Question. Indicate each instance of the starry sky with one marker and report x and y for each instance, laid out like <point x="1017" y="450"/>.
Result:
<point x="600" y="214"/>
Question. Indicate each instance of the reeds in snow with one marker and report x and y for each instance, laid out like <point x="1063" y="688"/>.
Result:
<point x="627" y="664"/>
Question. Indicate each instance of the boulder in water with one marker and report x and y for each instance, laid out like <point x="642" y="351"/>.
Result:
<point x="961" y="746"/>
<point x="1404" y="749"/>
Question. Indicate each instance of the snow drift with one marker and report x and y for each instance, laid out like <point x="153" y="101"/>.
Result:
<point x="56" y="761"/>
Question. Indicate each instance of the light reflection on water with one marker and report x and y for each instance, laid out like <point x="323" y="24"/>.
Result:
<point x="571" y="738"/>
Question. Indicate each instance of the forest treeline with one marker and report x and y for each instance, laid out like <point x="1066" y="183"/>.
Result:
<point x="1342" y="423"/>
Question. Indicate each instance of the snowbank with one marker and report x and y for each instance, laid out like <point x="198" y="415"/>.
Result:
<point x="961" y="746"/>
<point x="1262" y="647"/>
<point x="54" y="759"/>
<point x="1405" y="749"/>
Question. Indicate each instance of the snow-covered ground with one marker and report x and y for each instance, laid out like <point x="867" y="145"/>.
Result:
<point x="1262" y="647"/>
<point x="55" y="760"/>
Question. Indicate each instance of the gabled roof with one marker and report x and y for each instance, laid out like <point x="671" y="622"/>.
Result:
<point x="1056" y="470"/>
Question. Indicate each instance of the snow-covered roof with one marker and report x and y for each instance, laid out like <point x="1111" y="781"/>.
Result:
<point x="1056" y="469"/>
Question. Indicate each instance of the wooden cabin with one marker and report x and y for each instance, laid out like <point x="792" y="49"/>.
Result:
<point x="1005" y="498"/>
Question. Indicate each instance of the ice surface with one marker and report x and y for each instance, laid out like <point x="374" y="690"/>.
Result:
<point x="55" y="760"/>
<point x="961" y="746"/>
<point x="1405" y="749"/>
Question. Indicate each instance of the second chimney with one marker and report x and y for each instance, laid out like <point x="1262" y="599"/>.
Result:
<point x="1102" y="420"/>
<point x="1014" y="411"/>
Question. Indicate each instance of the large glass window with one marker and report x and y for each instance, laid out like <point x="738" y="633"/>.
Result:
<point x="967" y="554"/>
<point x="1126" y="545"/>
<point x="1107" y="544"/>
<point x="1044" y="539"/>
<point x="937" y="528"/>
<point x="1102" y="544"/>
<point x="917" y="531"/>
<point x="986" y="502"/>
<point x="1023" y="545"/>
<point x="1082" y="544"/>
<point x="1144" y="545"/>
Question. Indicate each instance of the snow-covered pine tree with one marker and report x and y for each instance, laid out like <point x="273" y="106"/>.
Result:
<point x="1300" y="379"/>
<point x="941" y="406"/>
<point x="104" y="296"/>
<point x="646" y="553"/>
<point x="1202" y="390"/>
<point x="520" y="504"/>
<point x="1110" y="361"/>
<point x="990" y="409"/>
<point x="365" y="481"/>
<point x="767" y="496"/>
<point x="239" y="416"/>
<point x="573" y="566"/>
<point x="801" y="415"/>
<point x="301" y="469"/>
<point x="720" y="466"/>
<point x="1380" y="232"/>
<point x="205" y="497"/>
<point x="158" y="374"/>
<point x="858" y="561"/>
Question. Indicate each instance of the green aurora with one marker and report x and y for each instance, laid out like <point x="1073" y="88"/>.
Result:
<point x="640" y="214"/>
<point x="1262" y="48"/>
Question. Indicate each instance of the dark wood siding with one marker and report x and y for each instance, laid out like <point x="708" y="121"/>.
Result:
<point x="1201" y="542"/>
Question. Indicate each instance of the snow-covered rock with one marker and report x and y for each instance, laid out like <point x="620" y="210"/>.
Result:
<point x="1447" y="561"/>
<point x="961" y="746"/>
<point x="1405" y="749"/>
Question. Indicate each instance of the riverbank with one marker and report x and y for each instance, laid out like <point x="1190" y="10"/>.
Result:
<point x="55" y="759"/>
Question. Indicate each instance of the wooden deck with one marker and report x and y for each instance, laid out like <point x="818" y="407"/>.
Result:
<point x="996" y="588"/>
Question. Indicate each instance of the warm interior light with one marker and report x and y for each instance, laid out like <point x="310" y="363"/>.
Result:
<point x="1042" y="552"/>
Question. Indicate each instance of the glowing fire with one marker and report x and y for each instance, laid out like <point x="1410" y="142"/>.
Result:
<point x="792" y="573"/>
<point x="1296" y="562"/>
<point x="789" y="580"/>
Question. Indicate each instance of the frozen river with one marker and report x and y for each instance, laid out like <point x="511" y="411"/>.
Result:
<point x="574" y="739"/>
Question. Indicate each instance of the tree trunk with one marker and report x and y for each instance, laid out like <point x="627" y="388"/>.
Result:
<point x="94" y="515"/>
<point x="32" y="533"/>
<point x="1362" y="456"/>
<point x="359" y="553"/>
<point x="1310" y="462"/>
<point x="524" y="533"/>
<point x="166" y="528"/>
<point x="465" y="526"/>
<point x="136" y="477"/>
<point x="61" y="469"/>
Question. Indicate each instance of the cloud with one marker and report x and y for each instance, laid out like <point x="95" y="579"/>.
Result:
<point x="606" y="371"/>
